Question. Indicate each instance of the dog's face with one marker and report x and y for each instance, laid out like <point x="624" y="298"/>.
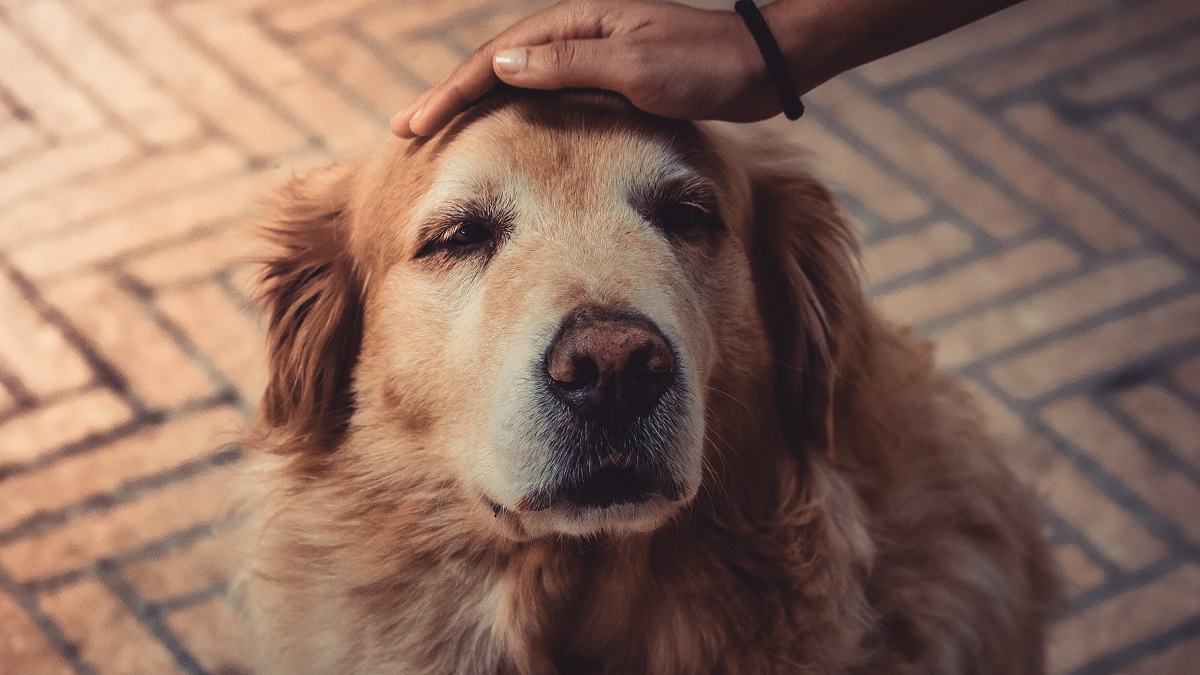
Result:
<point x="540" y="302"/>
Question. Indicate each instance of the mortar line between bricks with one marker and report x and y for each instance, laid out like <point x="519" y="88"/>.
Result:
<point x="157" y="199"/>
<point x="47" y="57"/>
<point x="105" y="373"/>
<point x="267" y="10"/>
<point x="150" y="619"/>
<point x="983" y="240"/>
<point x="1125" y="582"/>
<point x="1109" y="484"/>
<point x="127" y="492"/>
<point x="1002" y="52"/>
<point x="1088" y="112"/>
<point x="1110" y="570"/>
<point x="150" y="550"/>
<point x="145" y="296"/>
<point x="247" y="86"/>
<point x="345" y="94"/>
<point x="22" y="396"/>
<point x="179" y="603"/>
<point x="51" y="399"/>
<point x="983" y="171"/>
<point x="1068" y="172"/>
<point x="208" y="126"/>
<point x="140" y="155"/>
<point x="1127" y="656"/>
<point x="1036" y="88"/>
<point x="1100" y="382"/>
<point x="1137" y="306"/>
<point x="377" y="49"/>
<point x="1147" y="444"/>
<point x="1189" y="398"/>
<point x="45" y="624"/>
<point x="1148" y="170"/>
<point x="139" y="423"/>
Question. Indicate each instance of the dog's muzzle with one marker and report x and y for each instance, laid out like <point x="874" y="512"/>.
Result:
<point x="609" y="376"/>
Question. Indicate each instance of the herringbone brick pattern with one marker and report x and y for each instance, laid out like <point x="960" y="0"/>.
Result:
<point x="1028" y="191"/>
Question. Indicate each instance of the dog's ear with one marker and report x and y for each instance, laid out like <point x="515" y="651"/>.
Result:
<point x="312" y="292"/>
<point x="805" y="262"/>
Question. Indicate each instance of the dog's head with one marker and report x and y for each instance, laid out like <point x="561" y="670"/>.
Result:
<point x="543" y="306"/>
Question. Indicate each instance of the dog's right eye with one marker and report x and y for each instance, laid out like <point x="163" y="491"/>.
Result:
<point x="463" y="231"/>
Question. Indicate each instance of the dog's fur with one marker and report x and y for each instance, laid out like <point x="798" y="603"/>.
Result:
<point x="850" y="515"/>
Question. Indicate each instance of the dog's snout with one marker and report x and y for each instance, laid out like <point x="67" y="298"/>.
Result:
<point x="609" y="366"/>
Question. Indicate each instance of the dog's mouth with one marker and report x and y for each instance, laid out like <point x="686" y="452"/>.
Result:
<point x="608" y="486"/>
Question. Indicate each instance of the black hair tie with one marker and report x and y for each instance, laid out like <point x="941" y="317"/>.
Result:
<point x="776" y="67"/>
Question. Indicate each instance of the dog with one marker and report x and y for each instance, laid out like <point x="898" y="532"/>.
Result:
<point x="569" y="388"/>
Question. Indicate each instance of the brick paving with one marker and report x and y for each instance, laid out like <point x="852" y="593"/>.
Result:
<point x="1028" y="191"/>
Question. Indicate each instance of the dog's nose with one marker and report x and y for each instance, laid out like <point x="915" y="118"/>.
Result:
<point x="608" y="365"/>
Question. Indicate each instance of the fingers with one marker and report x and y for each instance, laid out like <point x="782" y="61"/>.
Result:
<point x="562" y="64"/>
<point x="434" y="108"/>
<point x="474" y="77"/>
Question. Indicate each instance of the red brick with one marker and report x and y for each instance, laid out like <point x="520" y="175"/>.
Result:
<point x="906" y="253"/>
<point x="108" y="637"/>
<point x="1001" y="273"/>
<point x="428" y="59"/>
<point x="1100" y="349"/>
<point x="1167" y="491"/>
<point x="874" y="187"/>
<point x="272" y="68"/>
<point x="105" y="469"/>
<point x="405" y="17"/>
<point x="17" y="136"/>
<point x="157" y="368"/>
<point x="225" y="332"/>
<point x="1165" y="418"/>
<point x="193" y="568"/>
<point x="23" y="647"/>
<point x="297" y="17"/>
<point x="1159" y="150"/>
<point x="214" y="635"/>
<point x="34" y="349"/>
<point x="43" y="429"/>
<point x="63" y="162"/>
<point x="1182" y="103"/>
<point x="473" y="34"/>
<point x="1070" y="206"/>
<point x="361" y="71"/>
<point x="1131" y="76"/>
<point x="926" y="160"/>
<point x="101" y="535"/>
<point x="107" y="192"/>
<point x="1105" y="524"/>
<point x="203" y="84"/>
<point x="1077" y="47"/>
<point x="202" y="256"/>
<point x="129" y="229"/>
<point x="1125" y="619"/>
<point x="1188" y="375"/>
<point x="1005" y="28"/>
<point x="151" y="114"/>
<point x="1155" y="206"/>
<point x="1179" y="659"/>
<point x="1080" y="573"/>
<point x="53" y="102"/>
<point x="1053" y="308"/>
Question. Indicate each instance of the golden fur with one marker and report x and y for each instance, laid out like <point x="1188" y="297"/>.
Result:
<point x="852" y="516"/>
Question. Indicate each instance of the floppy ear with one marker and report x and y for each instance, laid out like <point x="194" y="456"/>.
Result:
<point x="312" y="293"/>
<point x="805" y="261"/>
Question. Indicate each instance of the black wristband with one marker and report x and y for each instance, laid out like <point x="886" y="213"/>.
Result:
<point x="776" y="67"/>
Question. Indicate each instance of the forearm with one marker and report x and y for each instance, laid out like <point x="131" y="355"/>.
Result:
<point x="823" y="38"/>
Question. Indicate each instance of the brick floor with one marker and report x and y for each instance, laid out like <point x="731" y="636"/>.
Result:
<point x="1028" y="190"/>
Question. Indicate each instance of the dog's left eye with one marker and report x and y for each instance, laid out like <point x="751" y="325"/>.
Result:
<point x="469" y="234"/>
<point x="685" y="217"/>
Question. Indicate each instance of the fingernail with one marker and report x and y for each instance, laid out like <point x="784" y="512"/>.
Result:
<point x="511" y="61"/>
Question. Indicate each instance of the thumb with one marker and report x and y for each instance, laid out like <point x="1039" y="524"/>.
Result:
<point x="557" y="65"/>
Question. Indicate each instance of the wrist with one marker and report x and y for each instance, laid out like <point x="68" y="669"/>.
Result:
<point x="809" y="46"/>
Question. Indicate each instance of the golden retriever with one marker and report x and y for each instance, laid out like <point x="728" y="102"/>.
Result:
<point x="571" y="389"/>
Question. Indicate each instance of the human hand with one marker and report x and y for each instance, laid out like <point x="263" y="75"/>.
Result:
<point x="667" y="59"/>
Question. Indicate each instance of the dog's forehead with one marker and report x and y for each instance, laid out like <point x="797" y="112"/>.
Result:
<point x="511" y="152"/>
